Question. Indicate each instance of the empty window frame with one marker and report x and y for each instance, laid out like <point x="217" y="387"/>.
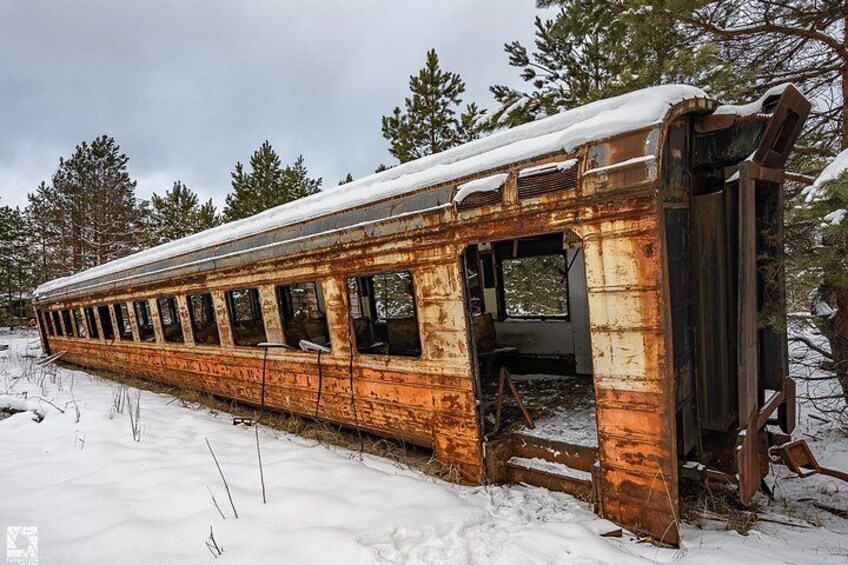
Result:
<point x="169" y="317"/>
<point x="47" y="322"/>
<point x="303" y="313"/>
<point x="246" y="321"/>
<point x="106" y="322"/>
<point x="66" y="319"/>
<point x="91" y="323"/>
<point x="384" y="315"/>
<point x="122" y="317"/>
<point x="79" y="322"/>
<point x="57" y="323"/>
<point x="204" y="322"/>
<point x="533" y="274"/>
<point x="144" y="319"/>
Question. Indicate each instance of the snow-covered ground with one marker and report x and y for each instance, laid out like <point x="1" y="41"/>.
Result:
<point x="572" y="420"/>
<point x="97" y="496"/>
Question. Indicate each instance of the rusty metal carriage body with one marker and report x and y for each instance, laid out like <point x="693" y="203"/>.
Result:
<point x="631" y="200"/>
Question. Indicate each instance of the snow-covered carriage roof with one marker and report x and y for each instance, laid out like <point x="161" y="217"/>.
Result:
<point x="563" y="132"/>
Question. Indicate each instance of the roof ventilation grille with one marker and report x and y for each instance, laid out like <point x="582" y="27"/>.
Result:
<point x="480" y="192"/>
<point x="551" y="177"/>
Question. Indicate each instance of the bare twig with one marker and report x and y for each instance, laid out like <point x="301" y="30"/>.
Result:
<point x="809" y="343"/>
<point x="223" y="478"/>
<point x="135" y="418"/>
<point x="212" y="545"/>
<point x="261" y="471"/>
<point x="48" y="402"/>
<point x="215" y="502"/>
<point x="800" y="177"/>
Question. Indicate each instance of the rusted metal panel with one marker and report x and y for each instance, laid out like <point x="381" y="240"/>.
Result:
<point x="716" y="368"/>
<point x="624" y="304"/>
<point x="747" y="297"/>
<point x="429" y="410"/>
<point x="501" y="468"/>
<point x="751" y="447"/>
<point x="554" y="181"/>
<point x="576" y="487"/>
<point x="480" y="199"/>
<point x="633" y="385"/>
<point x="157" y="323"/>
<point x="580" y="457"/>
<point x="42" y="332"/>
<point x="116" y="327"/>
<point x="798" y="456"/>
<point x="338" y="324"/>
<point x="185" y="320"/>
<point x="133" y="320"/>
<point x="270" y="314"/>
<point x="628" y="161"/>
<point x="99" y="324"/>
<point x="748" y="460"/>
<point x="678" y="251"/>
<point x="223" y="319"/>
<point x="784" y="127"/>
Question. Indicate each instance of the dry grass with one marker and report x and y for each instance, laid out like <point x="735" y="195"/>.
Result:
<point x="711" y="509"/>
<point x="404" y="454"/>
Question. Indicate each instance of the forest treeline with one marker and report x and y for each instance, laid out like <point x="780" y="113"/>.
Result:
<point x="584" y="50"/>
<point x="88" y="213"/>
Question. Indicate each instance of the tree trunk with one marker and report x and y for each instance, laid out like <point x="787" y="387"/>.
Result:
<point x="844" y="115"/>
<point x="835" y="329"/>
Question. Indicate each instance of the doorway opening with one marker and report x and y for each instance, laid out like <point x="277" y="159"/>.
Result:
<point x="528" y="308"/>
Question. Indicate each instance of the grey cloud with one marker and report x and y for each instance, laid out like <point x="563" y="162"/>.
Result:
<point x="190" y="87"/>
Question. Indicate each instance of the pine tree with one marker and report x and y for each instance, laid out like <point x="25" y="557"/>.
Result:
<point x="16" y="265"/>
<point x="178" y="214"/>
<point x="267" y="184"/>
<point x="596" y="49"/>
<point x="89" y="213"/>
<point x="207" y="216"/>
<point x="348" y="178"/>
<point x="46" y="233"/>
<point x="429" y="122"/>
<point x="297" y="183"/>
<point x="821" y="270"/>
<point x="803" y="42"/>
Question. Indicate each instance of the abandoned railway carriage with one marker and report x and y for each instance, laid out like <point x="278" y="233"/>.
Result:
<point x="574" y="303"/>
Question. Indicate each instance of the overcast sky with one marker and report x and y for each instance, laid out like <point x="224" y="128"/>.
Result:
<point x="189" y="87"/>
